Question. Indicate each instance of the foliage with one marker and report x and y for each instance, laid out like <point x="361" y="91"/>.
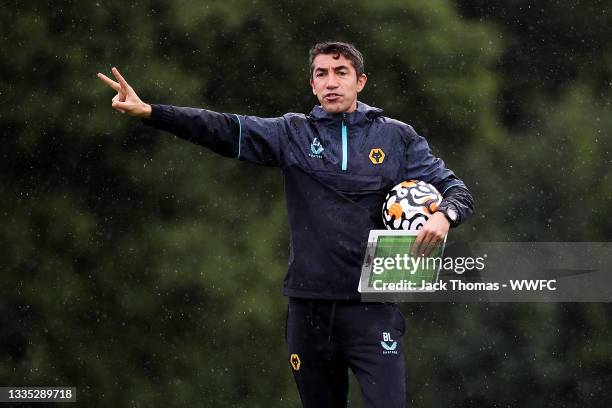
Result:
<point x="146" y="271"/>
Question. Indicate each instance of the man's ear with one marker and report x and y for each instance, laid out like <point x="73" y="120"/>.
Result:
<point x="361" y="81"/>
<point x="312" y="86"/>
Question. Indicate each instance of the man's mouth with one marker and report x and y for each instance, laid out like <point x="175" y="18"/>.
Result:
<point x="332" y="97"/>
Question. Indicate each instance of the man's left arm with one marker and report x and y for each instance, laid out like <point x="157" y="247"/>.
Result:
<point x="457" y="204"/>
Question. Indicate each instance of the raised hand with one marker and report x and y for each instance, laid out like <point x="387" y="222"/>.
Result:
<point x="126" y="100"/>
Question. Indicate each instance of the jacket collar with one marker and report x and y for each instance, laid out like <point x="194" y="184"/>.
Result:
<point x="361" y="114"/>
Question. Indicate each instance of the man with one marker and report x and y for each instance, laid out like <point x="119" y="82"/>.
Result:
<point x="338" y="163"/>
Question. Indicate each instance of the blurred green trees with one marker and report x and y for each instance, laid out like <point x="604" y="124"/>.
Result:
<point x="147" y="271"/>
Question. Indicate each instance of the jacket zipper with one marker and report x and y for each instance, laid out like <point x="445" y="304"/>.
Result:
<point x="344" y="145"/>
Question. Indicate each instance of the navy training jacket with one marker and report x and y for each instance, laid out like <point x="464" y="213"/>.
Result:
<point x="337" y="170"/>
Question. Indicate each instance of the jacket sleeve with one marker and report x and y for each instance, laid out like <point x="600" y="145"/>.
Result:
<point x="422" y="165"/>
<point x="249" y="138"/>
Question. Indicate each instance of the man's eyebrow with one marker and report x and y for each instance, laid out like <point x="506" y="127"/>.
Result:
<point x="338" y="68"/>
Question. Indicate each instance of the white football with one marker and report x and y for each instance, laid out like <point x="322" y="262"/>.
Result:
<point x="409" y="205"/>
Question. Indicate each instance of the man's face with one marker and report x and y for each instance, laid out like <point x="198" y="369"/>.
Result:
<point x="335" y="83"/>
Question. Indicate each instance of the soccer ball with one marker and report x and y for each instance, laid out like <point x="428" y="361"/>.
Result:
<point x="409" y="205"/>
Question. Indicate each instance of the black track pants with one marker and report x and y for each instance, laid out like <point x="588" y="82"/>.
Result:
<point x="325" y="338"/>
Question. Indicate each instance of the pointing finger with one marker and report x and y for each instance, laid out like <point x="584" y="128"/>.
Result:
<point x="109" y="82"/>
<point x="121" y="80"/>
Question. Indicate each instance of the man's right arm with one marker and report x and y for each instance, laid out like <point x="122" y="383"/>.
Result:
<point x="249" y="138"/>
<point x="217" y="131"/>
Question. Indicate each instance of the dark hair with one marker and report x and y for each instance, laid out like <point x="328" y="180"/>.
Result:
<point x="347" y="50"/>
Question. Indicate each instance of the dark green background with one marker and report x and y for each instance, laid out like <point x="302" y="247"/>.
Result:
<point x="147" y="271"/>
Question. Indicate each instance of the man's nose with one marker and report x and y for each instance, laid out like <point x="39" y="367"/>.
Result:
<point x="332" y="81"/>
